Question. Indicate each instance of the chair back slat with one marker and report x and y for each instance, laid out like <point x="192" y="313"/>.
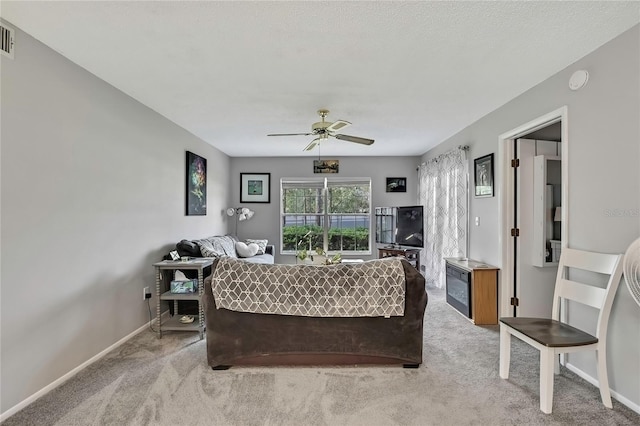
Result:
<point x="597" y="297"/>
<point x="589" y="261"/>
<point x="583" y="293"/>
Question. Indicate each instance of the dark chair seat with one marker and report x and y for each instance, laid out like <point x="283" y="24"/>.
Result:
<point x="550" y="333"/>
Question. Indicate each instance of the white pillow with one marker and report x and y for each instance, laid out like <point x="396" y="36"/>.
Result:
<point x="262" y="244"/>
<point x="246" y="250"/>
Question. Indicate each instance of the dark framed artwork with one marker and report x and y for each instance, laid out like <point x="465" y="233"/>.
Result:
<point x="196" y="185"/>
<point x="483" y="173"/>
<point x="255" y="187"/>
<point x="396" y="184"/>
<point x="326" y="166"/>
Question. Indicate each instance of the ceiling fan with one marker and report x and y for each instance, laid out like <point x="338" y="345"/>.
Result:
<point x="323" y="129"/>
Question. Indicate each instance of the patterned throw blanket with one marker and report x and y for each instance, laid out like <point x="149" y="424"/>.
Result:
<point x="369" y="289"/>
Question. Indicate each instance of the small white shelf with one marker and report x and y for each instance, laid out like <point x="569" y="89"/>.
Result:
<point x="546" y="181"/>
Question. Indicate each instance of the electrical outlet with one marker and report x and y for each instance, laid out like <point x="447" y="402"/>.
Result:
<point x="146" y="293"/>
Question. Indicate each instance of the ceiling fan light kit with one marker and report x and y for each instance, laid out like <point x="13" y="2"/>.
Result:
<point x="323" y="129"/>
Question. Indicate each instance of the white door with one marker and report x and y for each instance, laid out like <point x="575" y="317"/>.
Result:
<point x="534" y="285"/>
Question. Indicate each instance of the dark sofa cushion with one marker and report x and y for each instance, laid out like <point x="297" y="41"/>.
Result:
<point x="188" y="248"/>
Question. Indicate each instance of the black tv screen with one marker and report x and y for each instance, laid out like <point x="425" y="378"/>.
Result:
<point x="410" y="226"/>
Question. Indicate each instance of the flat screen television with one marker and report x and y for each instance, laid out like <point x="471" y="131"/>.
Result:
<point x="410" y="226"/>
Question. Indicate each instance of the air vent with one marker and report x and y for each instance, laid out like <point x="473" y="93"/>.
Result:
<point x="6" y="38"/>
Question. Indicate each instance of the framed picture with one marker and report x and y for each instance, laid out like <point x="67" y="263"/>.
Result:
<point x="483" y="172"/>
<point x="196" y="185"/>
<point x="326" y="166"/>
<point x="255" y="187"/>
<point x="396" y="184"/>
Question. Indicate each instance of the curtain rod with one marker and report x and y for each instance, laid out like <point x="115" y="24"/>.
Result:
<point x="460" y="147"/>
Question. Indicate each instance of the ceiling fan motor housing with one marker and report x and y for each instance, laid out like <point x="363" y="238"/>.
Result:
<point x="320" y="127"/>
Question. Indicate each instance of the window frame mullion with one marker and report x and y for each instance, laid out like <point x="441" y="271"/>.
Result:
<point x="327" y="225"/>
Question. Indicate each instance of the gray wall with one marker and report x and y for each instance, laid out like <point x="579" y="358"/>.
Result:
<point x="93" y="193"/>
<point x="604" y="182"/>
<point x="265" y="223"/>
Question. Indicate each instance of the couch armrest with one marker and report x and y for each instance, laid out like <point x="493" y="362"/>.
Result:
<point x="270" y="249"/>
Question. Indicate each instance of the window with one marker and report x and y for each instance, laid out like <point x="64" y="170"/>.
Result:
<point x="332" y="214"/>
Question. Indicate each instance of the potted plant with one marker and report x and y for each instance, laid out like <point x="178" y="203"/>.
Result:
<point x="316" y="257"/>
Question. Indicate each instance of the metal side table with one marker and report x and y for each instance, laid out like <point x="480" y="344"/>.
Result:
<point x="165" y="273"/>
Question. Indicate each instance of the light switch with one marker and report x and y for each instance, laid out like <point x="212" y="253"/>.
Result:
<point x="477" y="221"/>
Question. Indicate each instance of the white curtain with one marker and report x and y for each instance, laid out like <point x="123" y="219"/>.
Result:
<point x="442" y="190"/>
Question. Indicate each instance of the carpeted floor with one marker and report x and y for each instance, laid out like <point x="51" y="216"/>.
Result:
<point x="167" y="382"/>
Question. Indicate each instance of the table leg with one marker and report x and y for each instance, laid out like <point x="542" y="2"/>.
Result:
<point x="200" y="310"/>
<point x="158" y="279"/>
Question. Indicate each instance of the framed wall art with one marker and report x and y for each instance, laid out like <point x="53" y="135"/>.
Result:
<point x="196" y="204"/>
<point x="255" y="187"/>
<point x="326" y="166"/>
<point x="483" y="172"/>
<point x="396" y="184"/>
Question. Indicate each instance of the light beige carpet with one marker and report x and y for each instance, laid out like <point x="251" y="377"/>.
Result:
<point x="167" y="382"/>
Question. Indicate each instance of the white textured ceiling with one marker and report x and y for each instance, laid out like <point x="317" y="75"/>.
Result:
<point x="407" y="74"/>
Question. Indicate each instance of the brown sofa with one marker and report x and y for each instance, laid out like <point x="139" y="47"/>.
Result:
<point x="246" y="338"/>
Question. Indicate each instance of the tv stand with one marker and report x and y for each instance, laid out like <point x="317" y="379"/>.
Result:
<point x="412" y="255"/>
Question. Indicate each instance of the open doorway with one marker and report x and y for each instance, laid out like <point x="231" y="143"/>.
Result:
<point x="520" y="244"/>
<point x="538" y="206"/>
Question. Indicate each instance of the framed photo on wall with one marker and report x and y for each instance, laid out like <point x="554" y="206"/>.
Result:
<point x="483" y="173"/>
<point x="196" y="199"/>
<point x="326" y="166"/>
<point x="396" y="184"/>
<point x="255" y="187"/>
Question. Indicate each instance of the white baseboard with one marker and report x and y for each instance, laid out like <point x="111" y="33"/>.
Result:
<point x="11" y="411"/>
<point x="625" y="401"/>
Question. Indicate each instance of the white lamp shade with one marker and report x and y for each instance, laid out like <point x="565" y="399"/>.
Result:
<point x="243" y="213"/>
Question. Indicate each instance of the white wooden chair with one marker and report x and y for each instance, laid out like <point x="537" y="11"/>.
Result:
<point x="553" y="337"/>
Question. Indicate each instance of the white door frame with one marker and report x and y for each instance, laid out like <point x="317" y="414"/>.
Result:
<point x="507" y="188"/>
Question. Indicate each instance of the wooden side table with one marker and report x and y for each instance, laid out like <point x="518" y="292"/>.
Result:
<point x="165" y="273"/>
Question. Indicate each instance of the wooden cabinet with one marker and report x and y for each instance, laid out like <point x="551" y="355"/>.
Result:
<point x="472" y="289"/>
<point x="412" y="255"/>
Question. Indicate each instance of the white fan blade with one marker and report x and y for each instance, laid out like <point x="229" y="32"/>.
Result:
<point x="290" y="134"/>
<point x="337" y="125"/>
<point x="356" y="139"/>
<point x="312" y="144"/>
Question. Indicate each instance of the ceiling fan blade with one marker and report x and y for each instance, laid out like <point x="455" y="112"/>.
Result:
<point x="290" y="134"/>
<point x="356" y="139"/>
<point x="337" y="125"/>
<point x="313" y="144"/>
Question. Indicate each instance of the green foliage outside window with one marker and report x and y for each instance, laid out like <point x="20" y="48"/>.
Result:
<point x="353" y="239"/>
